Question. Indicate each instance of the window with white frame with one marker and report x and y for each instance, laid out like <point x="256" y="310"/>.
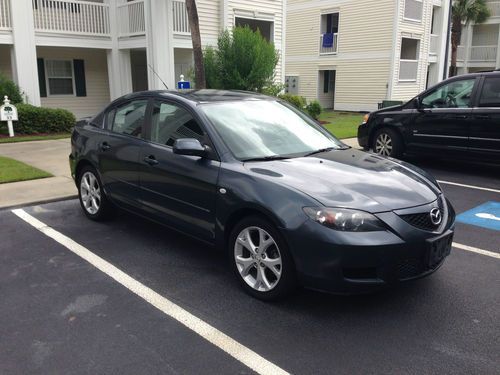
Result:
<point x="408" y="64"/>
<point x="413" y="10"/>
<point x="60" y="77"/>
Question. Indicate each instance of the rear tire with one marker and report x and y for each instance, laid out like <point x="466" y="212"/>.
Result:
<point x="93" y="200"/>
<point x="388" y="142"/>
<point x="260" y="259"/>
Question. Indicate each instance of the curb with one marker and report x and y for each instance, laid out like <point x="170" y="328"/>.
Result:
<point x="42" y="201"/>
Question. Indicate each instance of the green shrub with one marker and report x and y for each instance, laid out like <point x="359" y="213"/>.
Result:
<point x="296" y="100"/>
<point x="33" y="120"/>
<point x="9" y="88"/>
<point x="274" y="89"/>
<point x="314" y="109"/>
<point x="244" y="60"/>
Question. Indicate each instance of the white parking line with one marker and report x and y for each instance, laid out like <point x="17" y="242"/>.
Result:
<point x="205" y="330"/>
<point x="476" y="250"/>
<point x="468" y="186"/>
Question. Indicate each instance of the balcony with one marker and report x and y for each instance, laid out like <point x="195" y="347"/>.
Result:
<point x="131" y="21"/>
<point x="494" y="7"/>
<point x="5" y="23"/>
<point x="460" y="53"/>
<point x="71" y="17"/>
<point x="180" y="17"/>
<point x="408" y="70"/>
<point x="483" y="53"/>
<point x="328" y="50"/>
<point x="434" y="44"/>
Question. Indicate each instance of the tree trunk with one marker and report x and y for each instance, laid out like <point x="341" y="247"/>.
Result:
<point x="199" y="69"/>
<point x="456" y="33"/>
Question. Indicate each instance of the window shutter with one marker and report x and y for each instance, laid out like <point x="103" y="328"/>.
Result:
<point x="42" y="83"/>
<point x="326" y="81"/>
<point x="80" y="85"/>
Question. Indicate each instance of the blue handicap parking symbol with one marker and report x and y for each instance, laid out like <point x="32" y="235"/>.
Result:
<point x="486" y="215"/>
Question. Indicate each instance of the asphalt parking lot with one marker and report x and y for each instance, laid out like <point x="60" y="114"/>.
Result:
<point x="61" y="314"/>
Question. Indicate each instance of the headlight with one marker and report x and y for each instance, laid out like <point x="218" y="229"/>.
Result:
<point x="365" y="118"/>
<point x="344" y="219"/>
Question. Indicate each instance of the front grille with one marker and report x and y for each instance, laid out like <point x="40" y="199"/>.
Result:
<point x="421" y="221"/>
<point x="411" y="267"/>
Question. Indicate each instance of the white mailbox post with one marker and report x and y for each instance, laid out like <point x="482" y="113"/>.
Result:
<point x="8" y="112"/>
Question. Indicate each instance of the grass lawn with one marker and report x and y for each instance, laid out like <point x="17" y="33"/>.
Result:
<point x="26" y="138"/>
<point x="342" y="124"/>
<point x="12" y="170"/>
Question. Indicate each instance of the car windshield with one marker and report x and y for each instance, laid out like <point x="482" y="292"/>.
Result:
<point x="266" y="129"/>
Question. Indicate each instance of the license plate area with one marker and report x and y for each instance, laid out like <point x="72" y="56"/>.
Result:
<point x="438" y="248"/>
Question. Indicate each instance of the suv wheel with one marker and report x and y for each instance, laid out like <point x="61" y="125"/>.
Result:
<point x="387" y="142"/>
<point x="260" y="259"/>
<point x="92" y="197"/>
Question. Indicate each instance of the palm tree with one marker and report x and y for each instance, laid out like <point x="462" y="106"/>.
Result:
<point x="463" y="13"/>
<point x="199" y="70"/>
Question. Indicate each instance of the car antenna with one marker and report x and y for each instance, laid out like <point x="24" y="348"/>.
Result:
<point x="164" y="84"/>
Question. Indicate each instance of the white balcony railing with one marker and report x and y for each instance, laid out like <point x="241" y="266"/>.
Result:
<point x="328" y="50"/>
<point x="434" y="44"/>
<point x="460" y="53"/>
<point x="494" y="7"/>
<point x="131" y="21"/>
<point x="408" y="70"/>
<point x="71" y="17"/>
<point x="483" y="53"/>
<point x="181" y="22"/>
<point x="5" y="15"/>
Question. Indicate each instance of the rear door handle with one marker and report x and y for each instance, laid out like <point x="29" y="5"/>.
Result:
<point x="105" y="146"/>
<point x="482" y="117"/>
<point x="461" y="117"/>
<point x="151" y="160"/>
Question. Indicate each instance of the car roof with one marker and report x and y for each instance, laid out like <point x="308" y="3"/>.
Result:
<point x="476" y="74"/>
<point x="199" y="96"/>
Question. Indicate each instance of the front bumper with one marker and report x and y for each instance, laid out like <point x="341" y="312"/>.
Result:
<point x="350" y="263"/>
<point x="364" y="135"/>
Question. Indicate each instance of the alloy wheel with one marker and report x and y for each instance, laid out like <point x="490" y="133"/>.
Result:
<point x="90" y="192"/>
<point x="258" y="259"/>
<point x="383" y="144"/>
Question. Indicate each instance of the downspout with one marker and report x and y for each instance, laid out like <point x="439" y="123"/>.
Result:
<point x="448" y="36"/>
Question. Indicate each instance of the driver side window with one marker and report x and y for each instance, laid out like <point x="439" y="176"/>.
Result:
<point x="456" y="94"/>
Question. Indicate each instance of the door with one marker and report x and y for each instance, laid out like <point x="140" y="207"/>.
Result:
<point x="119" y="151"/>
<point x="484" y="136"/>
<point x="441" y="122"/>
<point x="179" y="190"/>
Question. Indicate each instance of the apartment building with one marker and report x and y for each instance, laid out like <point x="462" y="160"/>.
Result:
<point x="353" y="54"/>
<point x="480" y="44"/>
<point x="79" y="55"/>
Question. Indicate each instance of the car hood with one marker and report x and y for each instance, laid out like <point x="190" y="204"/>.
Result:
<point x="353" y="179"/>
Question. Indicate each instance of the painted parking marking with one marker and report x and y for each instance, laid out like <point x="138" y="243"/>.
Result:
<point x="486" y="216"/>
<point x="476" y="250"/>
<point x="468" y="186"/>
<point x="236" y="350"/>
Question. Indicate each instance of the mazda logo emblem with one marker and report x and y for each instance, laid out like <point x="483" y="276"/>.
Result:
<point x="436" y="216"/>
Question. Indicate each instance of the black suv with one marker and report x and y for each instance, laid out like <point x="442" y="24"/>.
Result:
<point x="459" y="117"/>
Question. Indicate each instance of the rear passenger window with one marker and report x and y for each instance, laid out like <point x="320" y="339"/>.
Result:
<point x="170" y="122"/>
<point x="129" y="118"/>
<point x="490" y="96"/>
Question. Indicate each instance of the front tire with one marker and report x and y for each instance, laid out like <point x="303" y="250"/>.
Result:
<point x="261" y="260"/>
<point x="388" y="142"/>
<point x="93" y="200"/>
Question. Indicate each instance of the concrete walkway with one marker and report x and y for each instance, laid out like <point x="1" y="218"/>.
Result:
<point x="50" y="156"/>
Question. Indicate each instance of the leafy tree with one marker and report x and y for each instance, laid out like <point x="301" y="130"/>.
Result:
<point x="194" y="24"/>
<point x="463" y="13"/>
<point x="244" y="60"/>
<point x="9" y="88"/>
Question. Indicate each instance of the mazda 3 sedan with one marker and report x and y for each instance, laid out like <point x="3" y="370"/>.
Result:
<point x="289" y="203"/>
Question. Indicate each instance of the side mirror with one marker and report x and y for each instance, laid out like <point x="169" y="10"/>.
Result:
<point x="189" y="146"/>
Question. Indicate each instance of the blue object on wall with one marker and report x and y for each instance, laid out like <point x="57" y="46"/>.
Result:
<point x="183" y="85"/>
<point x="328" y="40"/>
<point x="486" y="215"/>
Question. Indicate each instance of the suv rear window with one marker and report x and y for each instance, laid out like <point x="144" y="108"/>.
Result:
<point x="490" y="95"/>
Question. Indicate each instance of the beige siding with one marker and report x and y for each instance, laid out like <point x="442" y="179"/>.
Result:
<point x="5" y="64"/>
<point x="96" y="76"/>
<point x="362" y="63"/>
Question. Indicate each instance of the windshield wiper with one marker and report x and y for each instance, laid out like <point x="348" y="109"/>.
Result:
<point x="267" y="158"/>
<point x="321" y="150"/>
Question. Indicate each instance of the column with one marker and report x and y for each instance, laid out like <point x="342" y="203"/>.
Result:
<point x="24" y="50"/>
<point x="159" y="40"/>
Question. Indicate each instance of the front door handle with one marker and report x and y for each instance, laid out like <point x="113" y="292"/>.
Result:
<point x="105" y="146"/>
<point x="461" y="117"/>
<point x="151" y="160"/>
<point x="482" y="117"/>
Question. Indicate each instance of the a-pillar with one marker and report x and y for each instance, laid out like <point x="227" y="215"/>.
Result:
<point x="159" y="36"/>
<point x="24" y="64"/>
